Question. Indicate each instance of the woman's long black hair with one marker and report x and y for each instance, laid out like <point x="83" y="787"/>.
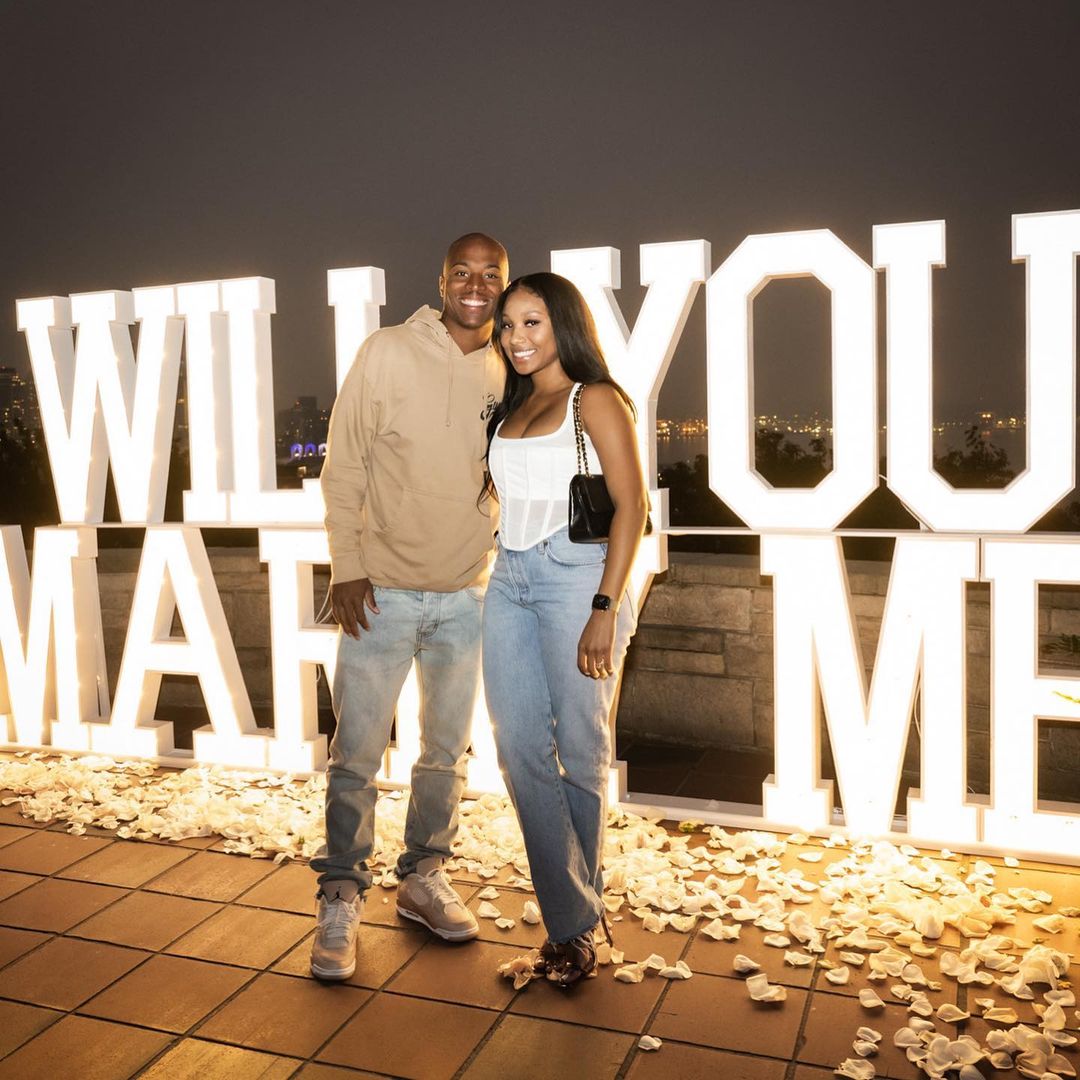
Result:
<point x="576" y="343"/>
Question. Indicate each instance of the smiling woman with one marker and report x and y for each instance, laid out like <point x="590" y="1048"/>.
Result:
<point x="555" y="624"/>
<point x="527" y="339"/>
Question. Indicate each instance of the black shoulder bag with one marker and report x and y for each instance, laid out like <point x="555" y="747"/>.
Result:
<point x="591" y="508"/>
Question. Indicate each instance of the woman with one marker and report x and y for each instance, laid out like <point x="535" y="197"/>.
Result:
<point x="557" y="619"/>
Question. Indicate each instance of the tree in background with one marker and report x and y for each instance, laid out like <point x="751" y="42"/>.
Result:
<point x="980" y="464"/>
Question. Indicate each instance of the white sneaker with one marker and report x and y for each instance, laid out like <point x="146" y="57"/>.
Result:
<point x="428" y="897"/>
<point x="333" y="949"/>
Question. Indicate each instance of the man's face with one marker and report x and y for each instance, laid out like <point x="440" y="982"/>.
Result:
<point x="473" y="276"/>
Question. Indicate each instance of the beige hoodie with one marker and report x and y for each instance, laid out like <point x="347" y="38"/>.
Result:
<point x="404" y="460"/>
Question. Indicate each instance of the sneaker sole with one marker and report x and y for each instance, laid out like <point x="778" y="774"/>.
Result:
<point x="332" y="974"/>
<point x="446" y="935"/>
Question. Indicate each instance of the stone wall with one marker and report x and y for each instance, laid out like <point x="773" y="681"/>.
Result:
<point x="700" y="669"/>
<point x="243" y="586"/>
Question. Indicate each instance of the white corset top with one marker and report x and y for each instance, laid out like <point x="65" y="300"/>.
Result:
<point x="532" y="477"/>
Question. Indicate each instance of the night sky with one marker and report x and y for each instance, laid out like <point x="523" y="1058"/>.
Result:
<point x="153" y="143"/>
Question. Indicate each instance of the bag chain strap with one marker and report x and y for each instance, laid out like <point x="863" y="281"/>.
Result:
<point x="579" y="433"/>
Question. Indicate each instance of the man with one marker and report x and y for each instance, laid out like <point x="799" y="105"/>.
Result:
<point x="410" y="549"/>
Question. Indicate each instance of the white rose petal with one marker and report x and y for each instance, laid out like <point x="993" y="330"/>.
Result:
<point x="1053" y="1019"/>
<point x="920" y="1006"/>
<point x="855" y="1069"/>
<point x="777" y="941"/>
<point x="1061" y="1065"/>
<point x="679" y="970"/>
<point x="719" y="931"/>
<point x="951" y="1014"/>
<point x="760" y="990"/>
<point x="1052" y="924"/>
<point x="1061" y="1039"/>
<point x="1065" y="998"/>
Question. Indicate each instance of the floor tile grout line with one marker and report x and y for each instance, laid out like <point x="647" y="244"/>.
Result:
<point x="499" y="1021"/>
<point x="8" y="1053"/>
<point x="800" y="1034"/>
<point x="166" y="1049"/>
<point x="631" y="1057"/>
<point x="373" y="991"/>
<point x="191" y="1031"/>
<point x="128" y="890"/>
<point x="268" y="970"/>
<point x="73" y="1010"/>
<point x="495" y="1026"/>
<point x="71" y="932"/>
<point x="151" y="953"/>
<point x="814" y="988"/>
<point x="38" y="879"/>
<point x="122" y="839"/>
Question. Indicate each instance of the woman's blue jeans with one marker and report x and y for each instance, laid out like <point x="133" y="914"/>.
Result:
<point x="550" y="721"/>
<point x="442" y="632"/>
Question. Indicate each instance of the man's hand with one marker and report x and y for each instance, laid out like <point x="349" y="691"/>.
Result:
<point x="347" y="599"/>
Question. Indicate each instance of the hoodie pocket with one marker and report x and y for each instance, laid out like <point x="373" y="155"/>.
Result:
<point x="437" y="533"/>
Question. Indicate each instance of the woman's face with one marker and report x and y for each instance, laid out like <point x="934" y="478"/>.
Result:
<point x="526" y="334"/>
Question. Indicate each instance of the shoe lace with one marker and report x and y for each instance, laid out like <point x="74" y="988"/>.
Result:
<point x="441" y="889"/>
<point x="337" y="921"/>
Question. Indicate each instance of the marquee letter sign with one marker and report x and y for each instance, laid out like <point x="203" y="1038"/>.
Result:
<point x="104" y="404"/>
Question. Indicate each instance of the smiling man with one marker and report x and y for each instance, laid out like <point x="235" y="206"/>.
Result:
<point x="410" y="549"/>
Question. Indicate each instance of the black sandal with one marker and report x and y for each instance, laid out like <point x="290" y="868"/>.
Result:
<point x="545" y="958"/>
<point x="576" y="959"/>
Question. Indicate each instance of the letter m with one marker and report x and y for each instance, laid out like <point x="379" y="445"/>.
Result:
<point x="818" y="661"/>
<point x="51" y="626"/>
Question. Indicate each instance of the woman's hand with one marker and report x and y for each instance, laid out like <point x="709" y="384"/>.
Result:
<point x="596" y="644"/>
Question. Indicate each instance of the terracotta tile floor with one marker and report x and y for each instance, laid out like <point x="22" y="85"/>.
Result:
<point x="121" y="959"/>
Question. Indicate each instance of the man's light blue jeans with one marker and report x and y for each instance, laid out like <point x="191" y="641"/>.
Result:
<point x="442" y="631"/>
<point x="551" y="722"/>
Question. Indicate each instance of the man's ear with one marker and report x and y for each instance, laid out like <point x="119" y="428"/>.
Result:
<point x="442" y="286"/>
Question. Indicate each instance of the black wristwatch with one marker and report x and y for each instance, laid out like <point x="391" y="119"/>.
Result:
<point x="600" y="602"/>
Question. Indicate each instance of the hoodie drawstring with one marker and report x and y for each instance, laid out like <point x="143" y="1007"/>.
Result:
<point x="450" y="380"/>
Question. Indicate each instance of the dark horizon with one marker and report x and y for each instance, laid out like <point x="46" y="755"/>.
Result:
<point x="154" y="146"/>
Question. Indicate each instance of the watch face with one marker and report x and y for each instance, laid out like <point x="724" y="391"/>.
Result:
<point x="600" y="602"/>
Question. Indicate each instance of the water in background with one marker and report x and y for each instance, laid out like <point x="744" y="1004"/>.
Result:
<point x="677" y="448"/>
